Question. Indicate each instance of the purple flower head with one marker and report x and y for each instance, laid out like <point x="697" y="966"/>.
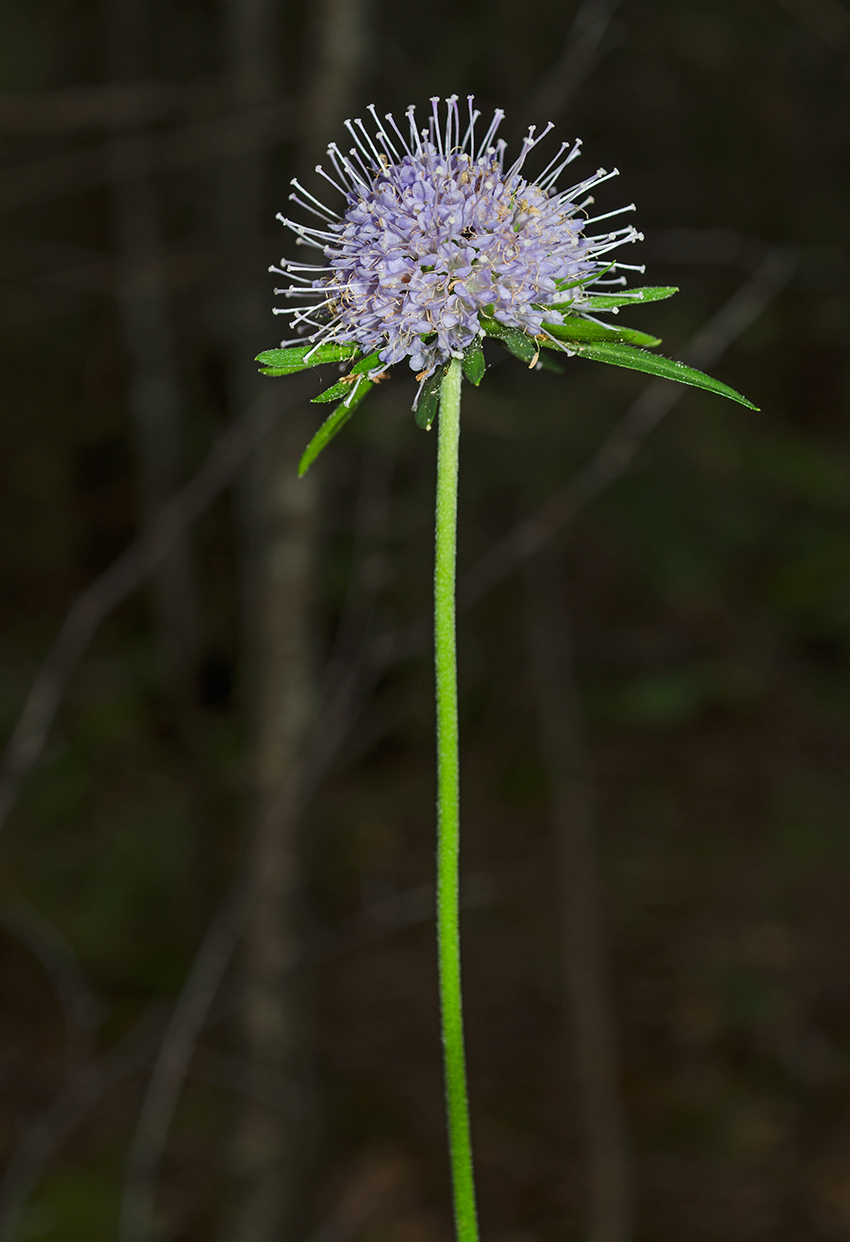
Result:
<point x="435" y="231"/>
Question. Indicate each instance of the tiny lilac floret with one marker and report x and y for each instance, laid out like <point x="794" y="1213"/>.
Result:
<point x="433" y="232"/>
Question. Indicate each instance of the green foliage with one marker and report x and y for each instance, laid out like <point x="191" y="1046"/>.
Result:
<point x="473" y="363"/>
<point x="429" y="399"/>
<point x="302" y="357"/>
<point x="631" y="297"/>
<point x="518" y="343"/>
<point x="333" y="424"/>
<point x="652" y="364"/>
<point x="577" y="329"/>
<point x="342" y="387"/>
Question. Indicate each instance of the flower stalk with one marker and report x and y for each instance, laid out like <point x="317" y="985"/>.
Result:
<point x="437" y="244"/>
<point x="448" y="806"/>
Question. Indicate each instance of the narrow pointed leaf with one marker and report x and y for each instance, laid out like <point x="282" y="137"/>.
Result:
<point x="370" y="363"/>
<point x="342" y="387"/>
<point x="473" y="363"/>
<point x="288" y="361"/>
<point x="336" y="392"/>
<point x="429" y="398"/>
<point x="518" y="343"/>
<point x="332" y="424"/>
<point x="588" y="278"/>
<point x="629" y="297"/>
<point x="577" y="329"/>
<point x="653" y="364"/>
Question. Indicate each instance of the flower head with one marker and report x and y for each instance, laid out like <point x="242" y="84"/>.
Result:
<point x="433" y="233"/>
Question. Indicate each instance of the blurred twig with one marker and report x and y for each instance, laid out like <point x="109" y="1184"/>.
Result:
<point x="67" y="1112"/>
<point x="577" y="59"/>
<point x="564" y="749"/>
<point x="173" y="1041"/>
<point x="172" y="1063"/>
<point x="83" y="1010"/>
<point x="29" y="736"/>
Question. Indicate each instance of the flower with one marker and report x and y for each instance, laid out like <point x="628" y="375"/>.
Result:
<point x="434" y="233"/>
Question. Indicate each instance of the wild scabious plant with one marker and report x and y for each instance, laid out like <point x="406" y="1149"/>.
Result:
<point x="435" y="243"/>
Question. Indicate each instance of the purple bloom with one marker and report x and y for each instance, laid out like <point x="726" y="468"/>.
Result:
<point x="433" y="232"/>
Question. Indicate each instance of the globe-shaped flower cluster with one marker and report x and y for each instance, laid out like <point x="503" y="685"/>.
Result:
<point x="434" y="233"/>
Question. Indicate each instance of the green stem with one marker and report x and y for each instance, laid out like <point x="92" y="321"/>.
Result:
<point x="448" y="807"/>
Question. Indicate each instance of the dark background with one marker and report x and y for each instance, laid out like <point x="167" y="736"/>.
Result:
<point x="662" y="687"/>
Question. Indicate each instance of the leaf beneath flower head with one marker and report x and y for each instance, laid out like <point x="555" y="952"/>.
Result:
<point x="577" y="329"/>
<point x="473" y="362"/>
<point x="631" y="297"/>
<point x="288" y="361"/>
<point x="342" y="387"/>
<point x="332" y="424"/>
<point x="429" y="397"/>
<point x="517" y="342"/>
<point x="653" y="364"/>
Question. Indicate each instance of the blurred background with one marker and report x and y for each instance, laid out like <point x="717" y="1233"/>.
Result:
<point x="219" y="1013"/>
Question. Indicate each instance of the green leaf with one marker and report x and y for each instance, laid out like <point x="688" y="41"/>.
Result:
<point x="332" y="424"/>
<point x="654" y="364"/>
<point x="630" y="297"/>
<point x="473" y="362"/>
<point x="576" y="329"/>
<point x="519" y="343"/>
<point x="588" y="279"/>
<point x="429" y="397"/>
<point x="288" y="361"/>
<point x="336" y="392"/>
<point x="370" y="363"/>
<point x="343" y="386"/>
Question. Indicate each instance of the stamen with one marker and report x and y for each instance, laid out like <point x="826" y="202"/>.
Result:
<point x="451" y="114"/>
<point x="389" y="117"/>
<point x="359" y="143"/>
<point x="469" y="137"/>
<point x="344" y="168"/>
<point x="546" y="181"/>
<point x="330" y="179"/>
<point x="368" y="137"/>
<point x="384" y="136"/>
<point x="498" y="117"/>
<point x="323" y="215"/>
<point x="414" y="133"/>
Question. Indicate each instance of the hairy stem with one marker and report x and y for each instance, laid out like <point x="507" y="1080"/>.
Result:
<point x="448" y="807"/>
